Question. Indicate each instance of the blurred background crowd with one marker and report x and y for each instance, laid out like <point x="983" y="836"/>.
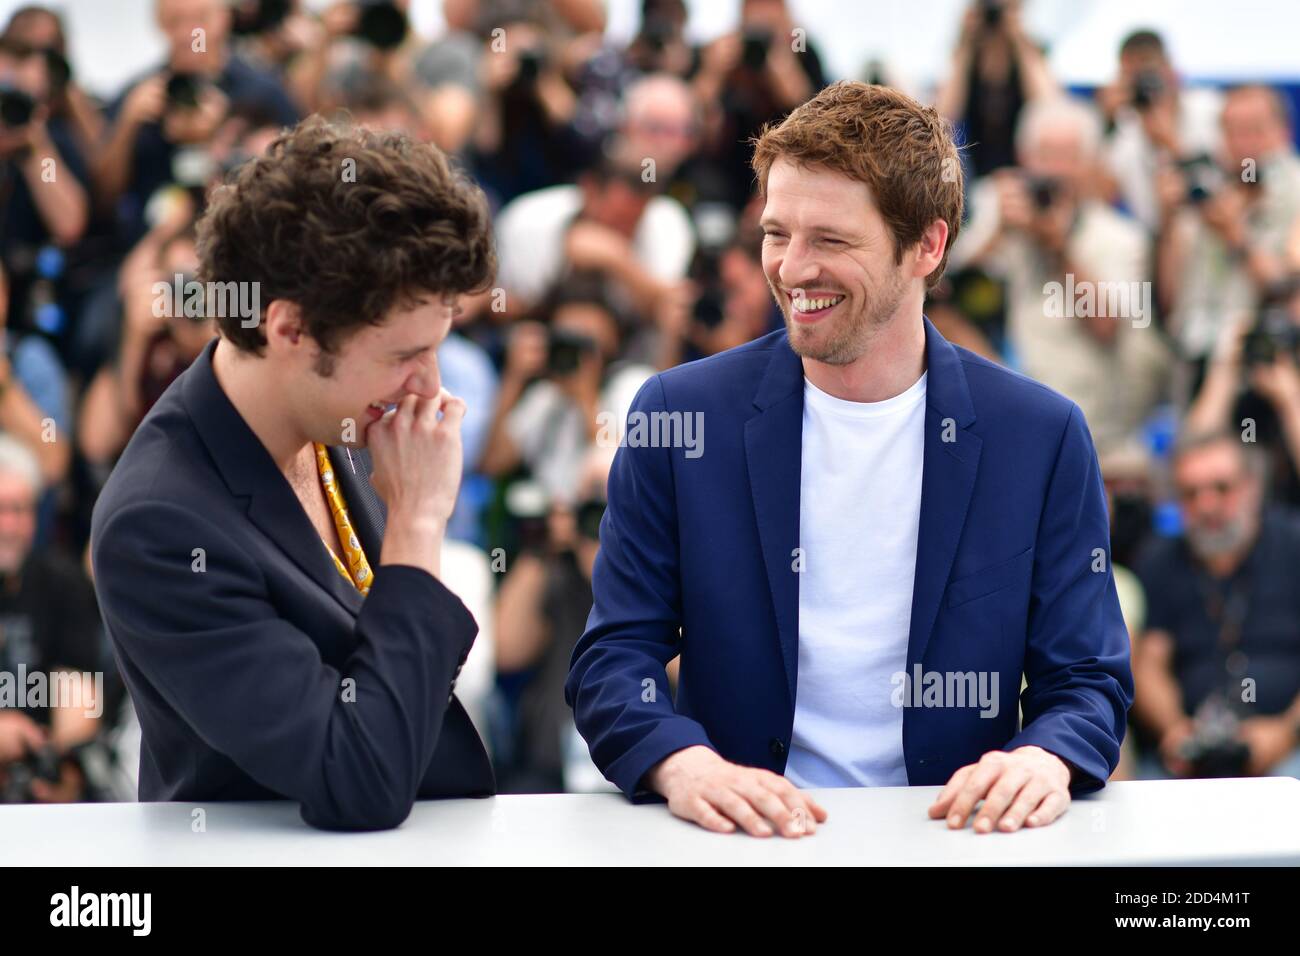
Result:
<point x="625" y="212"/>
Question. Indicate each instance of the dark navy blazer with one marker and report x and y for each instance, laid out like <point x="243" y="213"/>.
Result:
<point x="256" y="670"/>
<point x="697" y="558"/>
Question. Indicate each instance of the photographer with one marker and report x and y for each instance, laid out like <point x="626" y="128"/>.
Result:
<point x="996" y="69"/>
<point x="613" y="222"/>
<point x="729" y="303"/>
<point x="49" y="624"/>
<point x="163" y="124"/>
<point x="541" y="611"/>
<point x="73" y="112"/>
<point x="524" y="139"/>
<point x="1226" y="221"/>
<point x="559" y="377"/>
<point x="1217" y="670"/>
<point x="157" y="345"/>
<point x="1252" y="383"/>
<point x="750" y="76"/>
<point x="42" y="200"/>
<point x="1038" y="224"/>
<point x="1151" y="117"/>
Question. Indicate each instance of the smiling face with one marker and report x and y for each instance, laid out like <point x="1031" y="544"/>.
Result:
<point x="376" y="365"/>
<point x="829" y="259"/>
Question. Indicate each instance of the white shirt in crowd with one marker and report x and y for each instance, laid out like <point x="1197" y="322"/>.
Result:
<point x="530" y="239"/>
<point x="551" y="434"/>
<point x="859" y="515"/>
<point x="1133" y="161"/>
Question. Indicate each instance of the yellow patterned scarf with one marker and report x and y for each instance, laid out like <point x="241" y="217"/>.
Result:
<point x="357" y="569"/>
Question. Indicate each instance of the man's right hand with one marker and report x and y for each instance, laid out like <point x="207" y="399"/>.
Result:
<point x="417" y="467"/>
<point x="146" y="102"/>
<point x="702" y="787"/>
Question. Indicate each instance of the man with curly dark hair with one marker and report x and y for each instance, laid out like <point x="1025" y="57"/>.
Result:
<point x="275" y="608"/>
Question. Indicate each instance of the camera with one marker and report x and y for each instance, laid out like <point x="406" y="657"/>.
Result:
<point x="1148" y="86"/>
<point x="587" y="516"/>
<point x="1273" y="332"/>
<point x="1043" y="191"/>
<point x="250" y="17"/>
<point x="531" y="62"/>
<point x="754" y="47"/>
<point x="16" y="108"/>
<point x="382" y="25"/>
<point x="1213" y="750"/>
<point x="1203" y="177"/>
<point x="991" y="11"/>
<point x="565" y="350"/>
<point x="43" y="764"/>
<point x="183" y="91"/>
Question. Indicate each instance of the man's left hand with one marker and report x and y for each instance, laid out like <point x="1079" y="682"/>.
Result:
<point x="1027" y="786"/>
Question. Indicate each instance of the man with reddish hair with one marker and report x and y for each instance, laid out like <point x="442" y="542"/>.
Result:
<point x="872" y="534"/>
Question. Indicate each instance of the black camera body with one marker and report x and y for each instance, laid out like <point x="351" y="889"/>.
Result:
<point x="1148" y="86"/>
<point x="754" y="47"/>
<point x="382" y="24"/>
<point x="183" y="90"/>
<point x="1215" y="753"/>
<point x="1272" y="334"/>
<point x="1043" y="191"/>
<point x="1204" y="178"/>
<point x="16" y="107"/>
<point x="43" y="764"/>
<point x="564" y="352"/>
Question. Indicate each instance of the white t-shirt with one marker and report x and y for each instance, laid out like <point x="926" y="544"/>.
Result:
<point x="859" y="514"/>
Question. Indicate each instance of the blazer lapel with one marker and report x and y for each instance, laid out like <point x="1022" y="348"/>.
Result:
<point x="773" y="454"/>
<point x="952" y="455"/>
<point x="249" y="472"/>
<point x="352" y="468"/>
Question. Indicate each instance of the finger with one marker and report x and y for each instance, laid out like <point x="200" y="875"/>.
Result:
<point x="701" y="813"/>
<point x="1000" y="796"/>
<point x="950" y="791"/>
<point x="737" y="808"/>
<point x="803" y="810"/>
<point x="972" y="792"/>
<point x="408" y="407"/>
<point x="453" y="412"/>
<point x="796" y="799"/>
<point x="770" y="806"/>
<point x="1052" y="806"/>
<point x="1030" y="796"/>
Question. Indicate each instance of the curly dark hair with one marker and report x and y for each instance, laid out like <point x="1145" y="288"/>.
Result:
<point x="347" y="224"/>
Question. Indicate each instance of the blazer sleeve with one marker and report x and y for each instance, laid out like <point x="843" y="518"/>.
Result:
<point x="1077" y="658"/>
<point x="617" y="684"/>
<point x="254" y="687"/>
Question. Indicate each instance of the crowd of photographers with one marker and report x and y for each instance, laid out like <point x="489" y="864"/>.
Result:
<point x="1136" y="248"/>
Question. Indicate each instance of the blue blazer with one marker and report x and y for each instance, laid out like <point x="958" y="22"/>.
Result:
<point x="235" y="633"/>
<point x="697" y="558"/>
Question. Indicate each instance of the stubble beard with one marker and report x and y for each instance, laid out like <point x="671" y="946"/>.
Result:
<point x="852" y="333"/>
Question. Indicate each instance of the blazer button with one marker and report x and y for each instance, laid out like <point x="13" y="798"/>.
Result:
<point x="776" y="746"/>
